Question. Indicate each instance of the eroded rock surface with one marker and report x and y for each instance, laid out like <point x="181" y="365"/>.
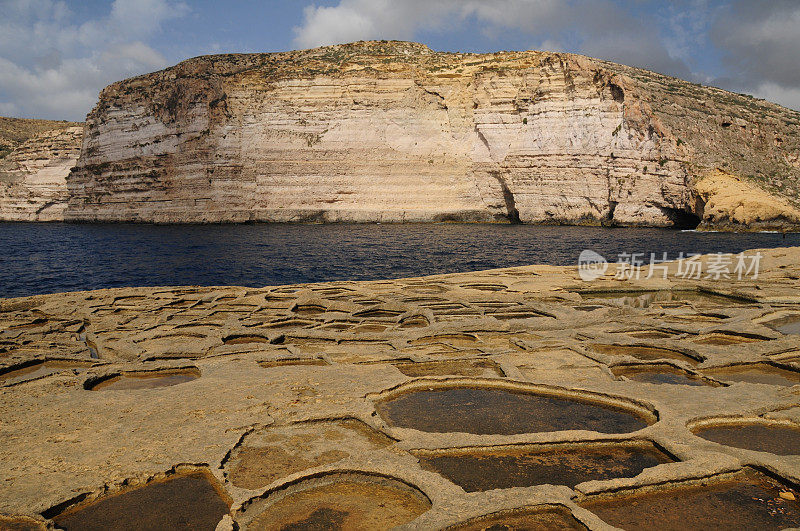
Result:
<point x="15" y="131"/>
<point x="392" y="131"/>
<point x="33" y="175"/>
<point x="284" y="403"/>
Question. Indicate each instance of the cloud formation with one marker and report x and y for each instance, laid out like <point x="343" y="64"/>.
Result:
<point x="760" y="40"/>
<point x="52" y="67"/>
<point x="757" y="40"/>
<point x="353" y="20"/>
<point x="56" y="55"/>
<point x="599" y="27"/>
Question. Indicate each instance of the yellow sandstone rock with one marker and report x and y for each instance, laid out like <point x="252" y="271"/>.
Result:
<point x="730" y="200"/>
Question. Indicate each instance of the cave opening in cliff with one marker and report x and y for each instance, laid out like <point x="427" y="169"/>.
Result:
<point x="682" y="219"/>
<point x="617" y="93"/>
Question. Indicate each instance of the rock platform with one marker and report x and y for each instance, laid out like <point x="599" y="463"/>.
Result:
<point x="303" y="404"/>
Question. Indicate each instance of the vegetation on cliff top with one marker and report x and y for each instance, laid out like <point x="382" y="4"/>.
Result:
<point x="15" y="131"/>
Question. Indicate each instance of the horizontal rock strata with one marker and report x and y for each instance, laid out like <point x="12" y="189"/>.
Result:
<point x="33" y="176"/>
<point x="15" y="131"/>
<point x="389" y="131"/>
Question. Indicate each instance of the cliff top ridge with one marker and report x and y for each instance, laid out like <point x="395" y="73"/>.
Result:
<point x="15" y="131"/>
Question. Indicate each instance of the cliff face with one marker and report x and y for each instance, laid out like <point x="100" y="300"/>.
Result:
<point x="33" y="176"/>
<point x="15" y="131"/>
<point x="395" y="132"/>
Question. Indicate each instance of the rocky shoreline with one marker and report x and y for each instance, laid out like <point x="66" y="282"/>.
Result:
<point x="271" y="401"/>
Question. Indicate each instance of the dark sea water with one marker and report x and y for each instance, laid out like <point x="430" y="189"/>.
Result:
<point x="47" y="258"/>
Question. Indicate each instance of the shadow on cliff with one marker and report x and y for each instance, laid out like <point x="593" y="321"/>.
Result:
<point x="512" y="214"/>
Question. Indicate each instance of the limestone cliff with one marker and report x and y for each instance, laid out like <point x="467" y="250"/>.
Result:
<point x="33" y="176"/>
<point x="15" y="131"/>
<point x="391" y="131"/>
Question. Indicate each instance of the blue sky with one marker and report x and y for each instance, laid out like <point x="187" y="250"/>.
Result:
<point x="56" y="55"/>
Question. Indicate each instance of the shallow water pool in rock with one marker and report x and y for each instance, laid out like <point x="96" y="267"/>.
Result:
<point x="539" y="519"/>
<point x="760" y="436"/>
<point x="337" y="501"/>
<point x="287" y="362"/>
<point x="187" y="501"/>
<point x="474" y="368"/>
<point x="244" y="339"/>
<point x="643" y="299"/>
<point x="650" y="334"/>
<point x="21" y="523"/>
<point x="487" y="469"/>
<point x="37" y="370"/>
<point x="658" y="374"/>
<point x="750" y="501"/>
<point x="786" y="325"/>
<point x="486" y="411"/>
<point x="644" y="352"/>
<point x="145" y="380"/>
<point x="758" y="373"/>
<point x="727" y="338"/>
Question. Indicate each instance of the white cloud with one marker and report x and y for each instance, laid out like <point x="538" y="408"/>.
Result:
<point x="760" y="41"/>
<point x="549" y="45"/>
<point x="139" y="18"/>
<point x="53" y="68"/>
<point x="687" y="22"/>
<point x="8" y="109"/>
<point x="600" y="27"/>
<point x="786" y="96"/>
<point x="353" y="20"/>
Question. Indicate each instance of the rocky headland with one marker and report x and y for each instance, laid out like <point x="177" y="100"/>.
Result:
<point x="36" y="157"/>
<point x="15" y="131"/>
<point x="395" y="132"/>
<point x="518" y="397"/>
